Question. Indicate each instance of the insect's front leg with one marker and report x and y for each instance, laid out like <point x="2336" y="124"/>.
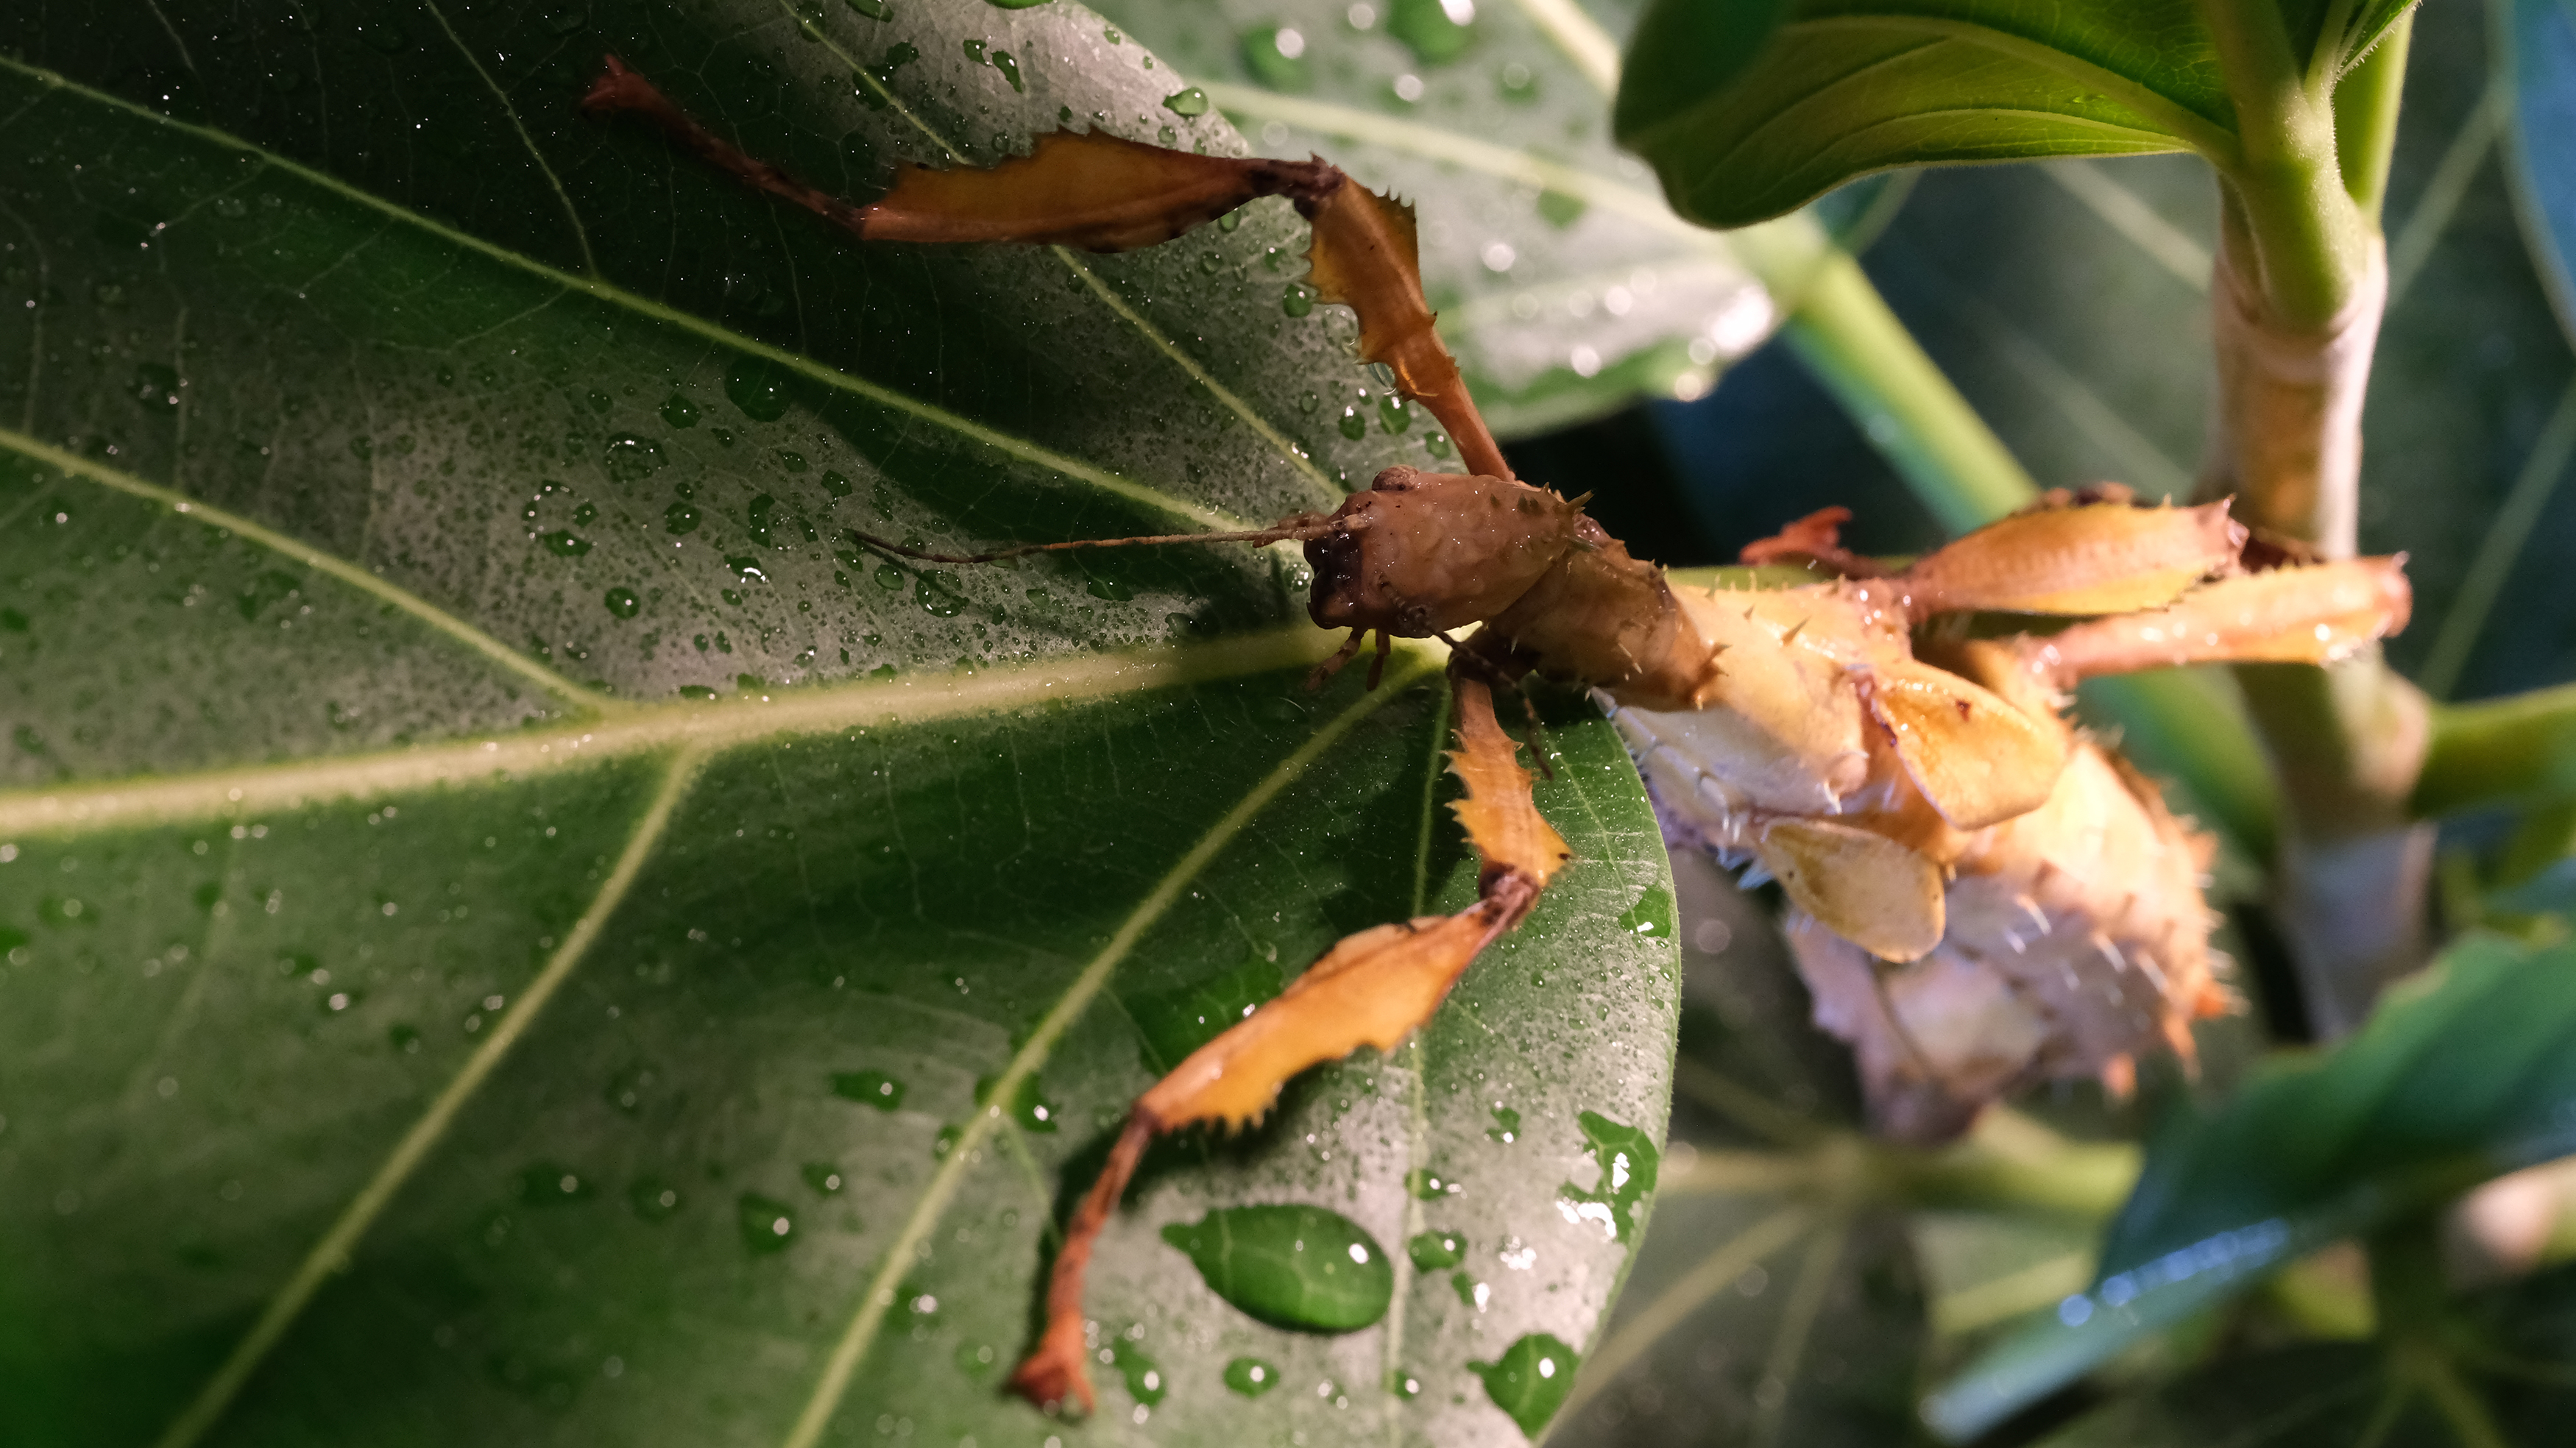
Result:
<point x="1373" y="989"/>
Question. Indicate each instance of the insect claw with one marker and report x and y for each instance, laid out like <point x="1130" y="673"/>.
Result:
<point x="1323" y="673"/>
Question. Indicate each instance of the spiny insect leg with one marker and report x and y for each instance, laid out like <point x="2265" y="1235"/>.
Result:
<point x="1372" y="989"/>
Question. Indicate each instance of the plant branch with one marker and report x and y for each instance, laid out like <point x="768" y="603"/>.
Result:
<point x="2311" y="243"/>
<point x="1845" y="333"/>
<point x="2521" y="749"/>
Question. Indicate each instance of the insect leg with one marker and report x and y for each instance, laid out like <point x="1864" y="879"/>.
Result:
<point x="1372" y="989"/>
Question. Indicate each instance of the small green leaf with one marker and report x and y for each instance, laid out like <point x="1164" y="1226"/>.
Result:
<point x="1291" y="1266"/>
<point x="2463" y="1073"/>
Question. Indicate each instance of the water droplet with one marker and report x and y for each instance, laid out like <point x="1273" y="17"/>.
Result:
<point x="1027" y="1107"/>
<point x="1437" y="31"/>
<point x="632" y="458"/>
<point x="823" y="1177"/>
<point x="1652" y="915"/>
<point x="758" y="387"/>
<point x="1628" y="1158"/>
<point x="680" y="518"/>
<point x="1211" y="263"/>
<point x="1145" y="1382"/>
<point x="1110" y="589"/>
<point x="1009" y="68"/>
<point x="1298" y="300"/>
<point x="765" y="1223"/>
<point x="1432" y="1251"/>
<point x="1276" y="56"/>
<point x="1530" y="1380"/>
<point x="1191" y="102"/>
<point x="564" y="545"/>
<point x="1436" y="444"/>
<point x="270" y="587"/>
<point x="548" y="1184"/>
<point x="1290" y="1265"/>
<point x="585" y="515"/>
<point x="1429" y="1185"/>
<point x="975" y="51"/>
<point x="653" y="1199"/>
<point x="1404" y="1383"/>
<point x="1517" y="83"/>
<point x="624" y="603"/>
<point x="888" y="576"/>
<point x="873" y="9"/>
<point x="975" y="1359"/>
<point x="1507" y="1125"/>
<point x="935" y="592"/>
<point x="836" y="485"/>
<point x="1251" y="1376"/>
<point x="1394" y="415"/>
<point x="1353" y="425"/>
<point x="155" y="386"/>
<point x="876" y="1088"/>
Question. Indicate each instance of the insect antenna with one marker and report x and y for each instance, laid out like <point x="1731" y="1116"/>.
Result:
<point x="1292" y="532"/>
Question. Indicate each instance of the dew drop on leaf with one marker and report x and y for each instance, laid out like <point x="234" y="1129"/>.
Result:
<point x="759" y="388"/>
<point x="563" y="544"/>
<point x="875" y="1088"/>
<point x="1353" y="425"/>
<point x="765" y="1223"/>
<point x="624" y="603"/>
<point x="1429" y="1185"/>
<point x="1297" y="301"/>
<point x="1652" y="915"/>
<point x="631" y="458"/>
<point x="1191" y="102"/>
<point x="1290" y="1265"/>
<point x="1251" y="1376"/>
<point x="679" y="411"/>
<point x="1110" y="589"/>
<point x="1432" y="1251"/>
<point x="873" y="9"/>
<point x="1010" y="69"/>
<point x="156" y="386"/>
<point x="680" y="518"/>
<point x="653" y="1199"/>
<point x="837" y="485"/>
<point x="823" y="1177"/>
<point x="1628" y="1158"/>
<point x="1530" y="1380"/>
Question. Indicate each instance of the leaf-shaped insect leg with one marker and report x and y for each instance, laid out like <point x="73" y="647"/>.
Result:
<point x="1103" y="193"/>
<point x="2310" y="615"/>
<point x="1372" y="989"/>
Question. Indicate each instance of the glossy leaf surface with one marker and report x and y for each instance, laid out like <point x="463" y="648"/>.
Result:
<point x="2462" y="1074"/>
<point x="1746" y="111"/>
<point x="1564" y="283"/>
<point x="517" y="931"/>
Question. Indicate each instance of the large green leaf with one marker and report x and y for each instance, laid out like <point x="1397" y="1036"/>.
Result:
<point x="1565" y="284"/>
<point x="517" y="931"/>
<point x="2462" y="1074"/>
<point x="1748" y="110"/>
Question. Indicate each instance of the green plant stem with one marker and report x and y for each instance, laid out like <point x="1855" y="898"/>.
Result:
<point x="1845" y="333"/>
<point x="2520" y="749"/>
<point x="2365" y="117"/>
<point x="2311" y="242"/>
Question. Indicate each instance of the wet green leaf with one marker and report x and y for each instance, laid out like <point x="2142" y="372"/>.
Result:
<point x="2462" y="1073"/>
<point x="715" y="859"/>
<point x="2537" y="39"/>
<point x="1566" y="287"/>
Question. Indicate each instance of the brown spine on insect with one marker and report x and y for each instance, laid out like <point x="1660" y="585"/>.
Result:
<point x="1372" y="989"/>
<point x="1091" y="190"/>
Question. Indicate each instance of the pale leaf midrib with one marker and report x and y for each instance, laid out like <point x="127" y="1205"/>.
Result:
<point x="855" y="1340"/>
<point x="628" y="732"/>
<point x="620" y="299"/>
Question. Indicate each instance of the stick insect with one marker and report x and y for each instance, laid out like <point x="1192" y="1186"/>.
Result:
<point x="1981" y="897"/>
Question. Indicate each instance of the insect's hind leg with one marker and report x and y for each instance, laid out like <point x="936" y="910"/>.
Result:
<point x="1372" y="989"/>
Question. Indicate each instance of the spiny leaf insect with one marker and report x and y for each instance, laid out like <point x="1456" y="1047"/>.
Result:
<point x="1981" y="897"/>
